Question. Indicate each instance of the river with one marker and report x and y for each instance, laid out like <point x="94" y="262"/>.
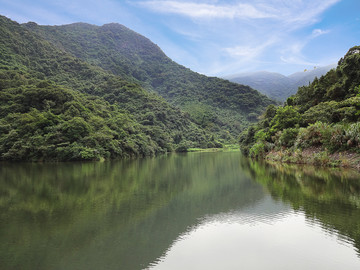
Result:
<point x="181" y="211"/>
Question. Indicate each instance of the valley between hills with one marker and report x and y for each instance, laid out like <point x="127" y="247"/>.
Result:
<point x="87" y="92"/>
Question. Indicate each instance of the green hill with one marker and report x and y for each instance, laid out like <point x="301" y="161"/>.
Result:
<point x="324" y="115"/>
<point x="54" y="106"/>
<point x="215" y="104"/>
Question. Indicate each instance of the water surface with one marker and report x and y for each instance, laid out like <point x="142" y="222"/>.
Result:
<point x="190" y="211"/>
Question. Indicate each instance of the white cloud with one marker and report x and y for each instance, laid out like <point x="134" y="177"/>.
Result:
<point x="204" y="10"/>
<point x="248" y="52"/>
<point x="259" y="30"/>
<point x="291" y="13"/>
<point x="319" y="32"/>
<point x="206" y="35"/>
<point x="243" y="51"/>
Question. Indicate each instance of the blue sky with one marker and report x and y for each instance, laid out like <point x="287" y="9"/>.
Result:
<point x="217" y="37"/>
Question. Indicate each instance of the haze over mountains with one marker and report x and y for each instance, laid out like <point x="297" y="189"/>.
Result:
<point x="276" y="85"/>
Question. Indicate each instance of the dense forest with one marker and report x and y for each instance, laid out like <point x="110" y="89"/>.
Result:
<point x="54" y="106"/>
<point x="217" y="105"/>
<point x="324" y="115"/>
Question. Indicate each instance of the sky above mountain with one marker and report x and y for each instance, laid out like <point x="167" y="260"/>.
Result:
<point x="217" y="37"/>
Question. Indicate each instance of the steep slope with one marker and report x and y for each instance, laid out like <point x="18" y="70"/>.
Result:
<point x="276" y="85"/>
<point x="324" y="115"/>
<point x="137" y="122"/>
<point x="215" y="104"/>
<point x="338" y="85"/>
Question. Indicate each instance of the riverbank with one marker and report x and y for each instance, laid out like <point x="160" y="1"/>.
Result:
<point x="316" y="156"/>
<point x="226" y="148"/>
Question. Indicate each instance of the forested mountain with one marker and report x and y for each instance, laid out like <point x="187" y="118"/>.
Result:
<point x="215" y="104"/>
<point x="324" y="114"/>
<point x="54" y="106"/>
<point x="276" y="85"/>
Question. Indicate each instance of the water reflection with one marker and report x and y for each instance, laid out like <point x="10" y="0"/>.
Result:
<point x="133" y="214"/>
<point x="122" y="214"/>
<point x="283" y="241"/>
<point x="328" y="197"/>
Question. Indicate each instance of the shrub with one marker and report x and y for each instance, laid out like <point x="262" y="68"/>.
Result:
<point x="260" y="136"/>
<point x="313" y="135"/>
<point x="257" y="150"/>
<point x="77" y="151"/>
<point x="321" y="158"/>
<point x="338" y="137"/>
<point x="353" y="134"/>
<point x="286" y="117"/>
<point x="298" y="156"/>
<point x="323" y="112"/>
<point x="337" y="140"/>
<point x="288" y="136"/>
<point x="75" y="129"/>
<point x="182" y="147"/>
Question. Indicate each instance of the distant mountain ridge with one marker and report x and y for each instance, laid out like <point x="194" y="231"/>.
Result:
<point x="276" y="85"/>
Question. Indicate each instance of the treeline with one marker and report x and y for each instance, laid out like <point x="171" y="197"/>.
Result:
<point x="325" y="115"/>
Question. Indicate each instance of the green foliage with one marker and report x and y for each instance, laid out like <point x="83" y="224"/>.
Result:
<point x="288" y="136"/>
<point x="247" y="139"/>
<point x="260" y="136"/>
<point x="55" y="106"/>
<point x="182" y="148"/>
<point x="336" y="85"/>
<point x="338" y="137"/>
<point x="357" y="90"/>
<point x="49" y="133"/>
<point x="324" y="114"/>
<point x="353" y="134"/>
<point x="333" y="111"/>
<point x="313" y="135"/>
<point x="212" y="103"/>
<point x="285" y="117"/>
<point x="257" y="150"/>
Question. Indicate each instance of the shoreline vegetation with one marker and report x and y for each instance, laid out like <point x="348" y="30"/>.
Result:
<point x="225" y="148"/>
<point x="315" y="156"/>
<point x="318" y="125"/>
